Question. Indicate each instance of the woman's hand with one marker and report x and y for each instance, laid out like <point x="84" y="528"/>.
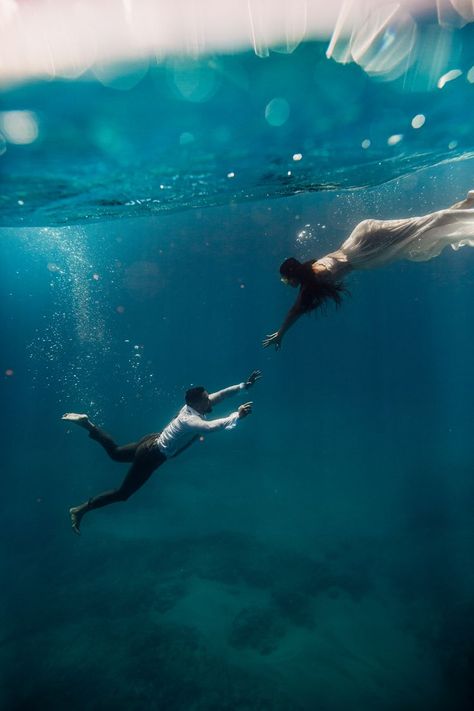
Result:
<point x="274" y="339"/>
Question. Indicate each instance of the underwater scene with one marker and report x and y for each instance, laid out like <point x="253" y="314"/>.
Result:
<point x="319" y="554"/>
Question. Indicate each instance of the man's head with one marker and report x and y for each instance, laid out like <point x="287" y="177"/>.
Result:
<point x="198" y="399"/>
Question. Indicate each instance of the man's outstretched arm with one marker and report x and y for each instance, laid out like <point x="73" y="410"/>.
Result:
<point x="220" y="395"/>
<point x="200" y="426"/>
<point x="222" y="423"/>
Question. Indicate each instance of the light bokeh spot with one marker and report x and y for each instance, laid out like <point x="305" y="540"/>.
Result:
<point x="19" y="127"/>
<point x="277" y="111"/>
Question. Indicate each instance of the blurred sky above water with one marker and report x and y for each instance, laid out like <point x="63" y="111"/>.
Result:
<point x="50" y="38"/>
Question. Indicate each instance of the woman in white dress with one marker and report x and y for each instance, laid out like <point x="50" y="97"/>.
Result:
<point x="373" y="243"/>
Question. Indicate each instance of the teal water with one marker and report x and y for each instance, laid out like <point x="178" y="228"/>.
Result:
<point x="320" y="555"/>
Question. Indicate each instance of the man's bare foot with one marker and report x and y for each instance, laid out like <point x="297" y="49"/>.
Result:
<point x="81" y="420"/>
<point x="76" y="515"/>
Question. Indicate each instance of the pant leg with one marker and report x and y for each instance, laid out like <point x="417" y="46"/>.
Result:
<point x="124" y="453"/>
<point x="147" y="459"/>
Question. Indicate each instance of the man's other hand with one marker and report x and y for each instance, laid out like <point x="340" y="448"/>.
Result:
<point x="245" y="409"/>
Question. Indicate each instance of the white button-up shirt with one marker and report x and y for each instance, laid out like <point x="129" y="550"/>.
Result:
<point x="189" y="424"/>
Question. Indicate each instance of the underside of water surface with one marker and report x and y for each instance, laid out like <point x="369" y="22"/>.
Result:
<point x="228" y="129"/>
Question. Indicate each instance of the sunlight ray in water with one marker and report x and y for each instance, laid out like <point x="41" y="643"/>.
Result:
<point x="70" y="348"/>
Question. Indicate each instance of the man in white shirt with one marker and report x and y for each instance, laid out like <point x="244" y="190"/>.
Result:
<point x="153" y="450"/>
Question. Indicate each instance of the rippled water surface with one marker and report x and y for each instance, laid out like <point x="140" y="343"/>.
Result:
<point x="228" y="129"/>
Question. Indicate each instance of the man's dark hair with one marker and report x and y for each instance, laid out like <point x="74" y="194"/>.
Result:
<point x="194" y="394"/>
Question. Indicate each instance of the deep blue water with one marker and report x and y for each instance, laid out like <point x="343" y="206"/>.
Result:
<point x="321" y="554"/>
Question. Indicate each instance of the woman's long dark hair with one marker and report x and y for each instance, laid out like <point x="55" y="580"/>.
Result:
<point x="316" y="289"/>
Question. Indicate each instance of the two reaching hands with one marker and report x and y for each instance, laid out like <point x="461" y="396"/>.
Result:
<point x="246" y="408"/>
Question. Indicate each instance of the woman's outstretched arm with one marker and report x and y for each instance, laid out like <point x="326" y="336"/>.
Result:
<point x="275" y="339"/>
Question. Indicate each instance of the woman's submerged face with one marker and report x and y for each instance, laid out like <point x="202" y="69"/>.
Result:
<point x="290" y="282"/>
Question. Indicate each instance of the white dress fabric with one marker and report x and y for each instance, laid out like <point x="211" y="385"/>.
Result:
<point x="375" y="243"/>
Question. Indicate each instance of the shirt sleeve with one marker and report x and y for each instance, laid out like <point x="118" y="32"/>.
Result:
<point x="223" y="423"/>
<point x="227" y="392"/>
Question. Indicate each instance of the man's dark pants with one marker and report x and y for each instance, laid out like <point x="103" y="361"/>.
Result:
<point x="145" y="457"/>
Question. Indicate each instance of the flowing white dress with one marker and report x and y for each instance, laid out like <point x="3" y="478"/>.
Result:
<point x="375" y="243"/>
